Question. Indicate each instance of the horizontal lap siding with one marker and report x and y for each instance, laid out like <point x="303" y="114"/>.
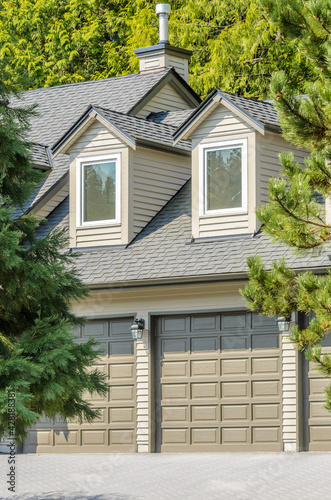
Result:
<point x="97" y="140"/>
<point x="222" y="125"/>
<point x="157" y="177"/>
<point x="215" y="226"/>
<point x="270" y="147"/>
<point x="97" y="137"/>
<point x="168" y="99"/>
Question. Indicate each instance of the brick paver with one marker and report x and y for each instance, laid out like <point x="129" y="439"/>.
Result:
<point x="237" y="476"/>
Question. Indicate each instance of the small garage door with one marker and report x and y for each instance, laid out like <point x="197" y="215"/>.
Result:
<point x="115" y="430"/>
<point x="218" y="383"/>
<point x="317" y="417"/>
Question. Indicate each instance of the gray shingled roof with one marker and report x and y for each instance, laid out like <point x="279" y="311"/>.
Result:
<point x="174" y="118"/>
<point x="142" y="129"/>
<point x="163" y="250"/>
<point x="262" y="111"/>
<point x="60" y="107"/>
<point x="59" y="219"/>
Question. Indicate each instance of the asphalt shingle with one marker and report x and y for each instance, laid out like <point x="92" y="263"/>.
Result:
<point x="141" y="129"/>
<point x="60" y="107"/>
<point x="163" y="250"/>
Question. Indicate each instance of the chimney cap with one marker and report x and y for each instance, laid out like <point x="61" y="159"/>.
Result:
<point x="162" y="8"/>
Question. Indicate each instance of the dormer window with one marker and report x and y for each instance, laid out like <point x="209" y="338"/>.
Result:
<point x="223" y="177"/>
<point x="98" y="190"/>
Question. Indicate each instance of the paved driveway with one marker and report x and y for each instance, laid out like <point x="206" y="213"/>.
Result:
<point x="237" y="476"/>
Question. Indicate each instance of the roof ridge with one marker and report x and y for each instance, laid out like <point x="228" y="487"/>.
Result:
<point x="133" y="117"/>
<point x="86" y="82"/>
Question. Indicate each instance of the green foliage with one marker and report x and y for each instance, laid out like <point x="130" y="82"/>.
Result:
<point x="39" y="359"/>
<point x="234" y="46"/>
<point x="293" y="215"/>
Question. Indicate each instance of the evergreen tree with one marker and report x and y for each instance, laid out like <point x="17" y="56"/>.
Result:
<point x="234" y="45"/>
<point x="39" y="361"/>
<point x="294" y="215"/>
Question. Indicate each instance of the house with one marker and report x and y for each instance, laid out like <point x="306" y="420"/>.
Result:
<point x="158" y="191"/>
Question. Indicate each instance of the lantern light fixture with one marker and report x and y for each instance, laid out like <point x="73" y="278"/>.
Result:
<point x="283" y="324"/>
<point x="137" y="328"/>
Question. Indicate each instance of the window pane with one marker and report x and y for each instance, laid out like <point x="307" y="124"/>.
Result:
<point x="99" y="191"/>
<point x="224" y="178"/>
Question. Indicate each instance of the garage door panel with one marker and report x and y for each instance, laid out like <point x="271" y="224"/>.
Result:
<point x="269" y="411"/>
<point x="175" y="436"/>
<point x="202" y="368"/>
<point x="318" y="410"/>
<point x="235" y="389"/>
<point x="203" y="413"/>
<point x="217" y="389"/>
<point x="178" y="324"/>
<point x="171" y="414"/>
<point x="235" y="366"/>
<point x="95" y="329"/>
<point x="266" y="388"/>
<point x="175" y="391"/>
<point x="205" y="323"/>
<point x="265" y="435"/>
<point x="233" y="321"/>
<point x="205" y="436"/>
<point x="121" y="348"/>
<point x="206" y="390"/>
<point x="265" y="366"/>
<point x="94" y="437"/>
<point x="121" y="371"/>
<point x="235" y="435"/>
<point x="235" y="412"/>
<point x="265" y="341"/>
<point x="117" y="408"/>
<point x="174" y="369"/>
<point x="174" y="346"/>
<point x="204" y="344"/>
<point x="234" y="343"/>
<point x="66" y="438"/>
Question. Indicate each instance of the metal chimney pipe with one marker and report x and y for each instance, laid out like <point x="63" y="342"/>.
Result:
<point x="163" y="10"/>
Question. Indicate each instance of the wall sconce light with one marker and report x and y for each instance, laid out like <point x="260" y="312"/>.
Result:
<point x="137" y="329"/>
<point x="283" y="324"/>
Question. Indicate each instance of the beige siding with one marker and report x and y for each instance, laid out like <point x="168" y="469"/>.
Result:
<point x="289" y="370"/>
<point x="157" y="176"/>
<point x="168" y="99"/>
<point x="221" y="124"/>
<point x="99" y="141"/>
<point x="156" y="300"/>
<point x="97" y="137"/>
<point x="53" y="202"/>
<point x="270" y="146"/>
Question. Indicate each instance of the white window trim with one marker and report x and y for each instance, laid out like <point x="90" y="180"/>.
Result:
<point x="203" y="148"/>
<point x="80" y="162"/>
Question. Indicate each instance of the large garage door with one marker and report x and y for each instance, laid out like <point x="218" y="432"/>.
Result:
<point x="218" y="383"/>
<point x="115" y="430"/>
<point x="317" y="417"/>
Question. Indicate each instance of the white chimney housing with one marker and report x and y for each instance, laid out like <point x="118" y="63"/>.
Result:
<point x="163" y="55"/>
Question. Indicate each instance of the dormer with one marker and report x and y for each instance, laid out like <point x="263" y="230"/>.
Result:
<point x="235" y="147"/>
<point x="123" y="170"/>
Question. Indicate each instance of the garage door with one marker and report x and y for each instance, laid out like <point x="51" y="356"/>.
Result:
<point x="115" y="430"/>
<point x="218" y="383"/>
<point x="317" y="417"/>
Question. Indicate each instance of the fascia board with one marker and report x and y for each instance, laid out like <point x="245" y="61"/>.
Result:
<point x="194" y="121"/>
<point x="126" y="138"/>
<point x="83" y="124"/>
<point x="201" y="114"/>
<point x="183" y="89"/>
<point x="49" y="194"/>
<point x="256" y="124"/>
